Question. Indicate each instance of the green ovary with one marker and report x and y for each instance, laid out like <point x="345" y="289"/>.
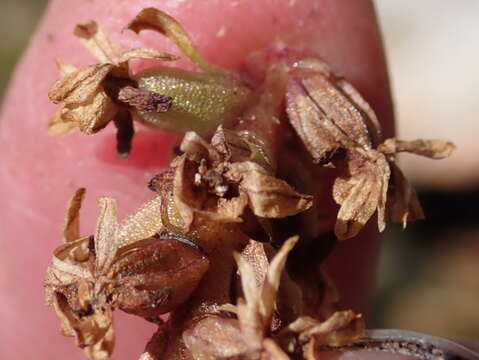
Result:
<point x="201" y="101"/>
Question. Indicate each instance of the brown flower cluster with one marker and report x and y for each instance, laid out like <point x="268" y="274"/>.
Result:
<point x="224" y="194"/>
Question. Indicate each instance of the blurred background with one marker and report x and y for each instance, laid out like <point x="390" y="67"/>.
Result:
<point x="428" y="279"/>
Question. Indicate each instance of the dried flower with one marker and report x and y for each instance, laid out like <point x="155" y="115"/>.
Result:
<point x="91" y="276"/>
<point x="250" y="336"/>
<point x="165" y="98"/>
<point x="221" y="180"/>
<point x="338" y="127"/>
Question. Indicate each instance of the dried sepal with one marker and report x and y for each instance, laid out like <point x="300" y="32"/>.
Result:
<point x="117" y="268"/>
<point x="323" y="115"/>
<point x="339" y="128"/>
<point x="144" y="223"/>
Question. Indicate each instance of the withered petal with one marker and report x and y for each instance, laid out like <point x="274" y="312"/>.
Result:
<point x="65" y="315"/>
<point x="255" y="254"/>
<point x="94" y="38"/>
<point x="434" y="149"/>
<point x="271" y="284"/>
<point x="256" y="311"/>
<point x="146" y="53"/>
<point x="383" y="174"/>
<point x="157" y="20"/>
<point x="71" y="225"/>
<point x="268" y="196"/>
<point x="405" y="205"/>
<point x="361" y="194"/>
<point x="73" y="251"/>
<point x="64" y="68"/>
<point x="69" y="270"/>
<point x="342" y="328"/>
<point x="79" y="86"/>
<point x="93" y="115"/>
<point x="251" y="289"/>
<point x="233" y="208"/>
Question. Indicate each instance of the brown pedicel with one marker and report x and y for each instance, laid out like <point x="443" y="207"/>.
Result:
<point x="212" y="246"/>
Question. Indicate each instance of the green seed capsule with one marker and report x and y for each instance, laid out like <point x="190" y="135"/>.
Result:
<point x="201" y="101"/>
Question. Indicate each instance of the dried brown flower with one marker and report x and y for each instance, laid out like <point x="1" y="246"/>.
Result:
<point x="250" y="336"/>
<point x="91" y="276"/>
<point x="86" y="95"/>
<point x="338" y="127"/>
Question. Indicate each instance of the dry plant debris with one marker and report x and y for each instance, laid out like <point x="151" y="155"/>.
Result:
<point x="218" y="207"/>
